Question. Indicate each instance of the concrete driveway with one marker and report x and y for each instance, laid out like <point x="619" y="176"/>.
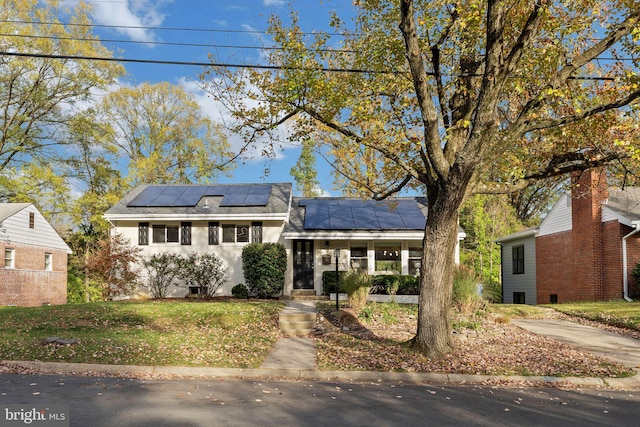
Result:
<point x="596" y="341"/>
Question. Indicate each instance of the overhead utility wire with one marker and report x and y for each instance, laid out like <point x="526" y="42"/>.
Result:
<point x="137" y="27"/>
<point x="100" y="40"/>
<point x="251" y="66"/>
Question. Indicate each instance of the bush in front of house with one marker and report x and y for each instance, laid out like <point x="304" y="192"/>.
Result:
<point x="163" y="270"/>
<point x="264" y="266"/>
<point x="357" y="286"/>
<point x="240" y="291"/>
<point x="329" y="281"/>
<point x="403" y="284"/>
<point x="206" y="272"/>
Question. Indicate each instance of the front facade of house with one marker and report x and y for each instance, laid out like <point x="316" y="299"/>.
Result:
<point x="33" y="269"/>
<point x="584" y="250"/>
<point x="376" y="237"/>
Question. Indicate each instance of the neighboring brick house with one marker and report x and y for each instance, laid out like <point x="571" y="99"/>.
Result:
<point x="584" y="250"/>
<point x="33" y="268"/>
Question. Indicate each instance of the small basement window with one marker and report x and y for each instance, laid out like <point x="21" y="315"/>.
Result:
<point x="519" y="298"/>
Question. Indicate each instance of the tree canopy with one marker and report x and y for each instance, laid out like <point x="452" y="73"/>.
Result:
<point x="450" y="99"/>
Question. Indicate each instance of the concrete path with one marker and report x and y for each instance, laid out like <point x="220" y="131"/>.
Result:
<point x="293" y="352"/>
<point x="593" y="340"/>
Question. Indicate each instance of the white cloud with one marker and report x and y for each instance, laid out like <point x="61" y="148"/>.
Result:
<point x="218" y="113"/>
<point x="137" y="15"/>
<point x="273" y="3"/>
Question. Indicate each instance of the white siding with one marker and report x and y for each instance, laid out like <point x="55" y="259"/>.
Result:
<point x="229" y="253"/>
<point x="16" y="229"/>
<point x="519" y="282"/>
<point x="558" y="219"/>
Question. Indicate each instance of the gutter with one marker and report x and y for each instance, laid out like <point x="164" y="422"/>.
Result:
<point x="625" y="274"/>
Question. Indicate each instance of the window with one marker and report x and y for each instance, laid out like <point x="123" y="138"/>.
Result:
<point x="213" y="233"/>
<point x="232" y="233"/>
<point x="159" y="234"/>
<point x="9" y="258"/>
<point x="415" y="260"/>
<point x="518" y="259"/>
<point x="172" y="234"/>
<point x="228" y="233"/>
<point x="256" y="232"/>
<point x="358" y="257"/>
<point x="48" y="262"/>
<point x="388" y="257"/>
<point x="143" y="233"/>
<point x="185" y="229"/>
<point x="32" y="220"/>
<point x="553" y="298"/>
<point x="518" y="298"/>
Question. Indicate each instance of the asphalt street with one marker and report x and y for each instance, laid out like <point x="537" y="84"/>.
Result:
<point x="96" y="401"/>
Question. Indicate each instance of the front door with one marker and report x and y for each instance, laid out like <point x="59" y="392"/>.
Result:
<point x="303" y="264"/>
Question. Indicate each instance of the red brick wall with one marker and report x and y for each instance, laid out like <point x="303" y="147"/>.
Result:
<point x="588" y="191"/>
<point x="28" y="284"/>
<point x="554" y="272"/>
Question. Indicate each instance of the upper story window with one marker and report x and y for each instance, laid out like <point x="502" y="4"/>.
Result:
<point x="32" y="220"/>
<point x="242" y="233"/>
<point x="48" y="262"/>
<point x="9" y="258"/>
<point x="143" y="233"/>
<point x="517" y="253"/>
<point x="214" y="237"/>
<point x="171" y="233"/>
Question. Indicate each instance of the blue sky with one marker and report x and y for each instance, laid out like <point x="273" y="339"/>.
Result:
<point x="232" y="30"/>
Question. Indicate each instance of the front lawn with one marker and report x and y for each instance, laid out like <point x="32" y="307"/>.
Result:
<point x="214" y="334"/>
<point x="617" y="313"/>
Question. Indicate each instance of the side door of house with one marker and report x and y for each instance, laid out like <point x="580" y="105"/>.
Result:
<point x="303" y="264"/>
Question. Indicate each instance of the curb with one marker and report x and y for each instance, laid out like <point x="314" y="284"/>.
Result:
<point x="416" y="378"/>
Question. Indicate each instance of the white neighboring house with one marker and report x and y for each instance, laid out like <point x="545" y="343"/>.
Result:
<point x="33" y="269"/>
<point x="377" y="237"/>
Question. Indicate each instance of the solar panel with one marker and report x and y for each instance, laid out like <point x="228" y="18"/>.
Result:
<point x="247" y="195"/>
<point x="146" y="196"/>
<point x="169" y="196"/>
<point x="347" y="214"/>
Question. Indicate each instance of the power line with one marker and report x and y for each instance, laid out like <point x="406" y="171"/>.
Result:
<point x="140" y="27"/>
<point x="101" y="40"/>
<point x="250" y="66"/>
<point x="194" y="63"/>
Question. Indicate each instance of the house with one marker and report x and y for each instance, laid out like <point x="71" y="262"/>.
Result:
<point x="377" y="237"/>
<point x="33" y="270"/>
<point x="584" y="250"/>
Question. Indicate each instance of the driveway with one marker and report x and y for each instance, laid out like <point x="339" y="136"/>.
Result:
<point x="594" y="340"/>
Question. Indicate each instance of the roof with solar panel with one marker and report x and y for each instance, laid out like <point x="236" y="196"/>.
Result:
<point x="205" y="200"/>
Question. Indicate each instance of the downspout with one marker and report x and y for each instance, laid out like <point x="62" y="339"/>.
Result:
<point x="625" y="275"/>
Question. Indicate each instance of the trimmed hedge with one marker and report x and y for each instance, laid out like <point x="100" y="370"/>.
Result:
<point x="264" y="266"/>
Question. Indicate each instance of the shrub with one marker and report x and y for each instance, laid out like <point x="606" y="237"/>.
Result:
<point x="329" y="281"/>
<point x="240" y="291"/>
<point x="465" y="284"/>
<point x="81" y="289"/>
<point x="492" y="291"/>
<point x="357" y="286"/>
<point x="385" y="284"/>
<point x="264" y="266"/>
<point x="206" y="272"/>
<point x="112" y="264"/>
<point x="162" y="271"/>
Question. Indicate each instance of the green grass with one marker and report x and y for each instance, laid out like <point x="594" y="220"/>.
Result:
<point x="215" y="334"/>
<point x="518" y="310"/>
<point x="617" y="313"/>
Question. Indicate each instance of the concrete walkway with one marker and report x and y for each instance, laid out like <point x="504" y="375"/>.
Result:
<point x="593" y="340"/>
<point x="293" y="352"/>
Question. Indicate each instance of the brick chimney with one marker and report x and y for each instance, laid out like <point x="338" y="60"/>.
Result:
<point x="588" y="192"/>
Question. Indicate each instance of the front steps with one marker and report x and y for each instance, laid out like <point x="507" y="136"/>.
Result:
<point x="298" y="318"/>
<point x="303" y="295"/>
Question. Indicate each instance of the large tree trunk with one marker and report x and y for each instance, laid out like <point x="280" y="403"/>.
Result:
<point x="433" y="336"/>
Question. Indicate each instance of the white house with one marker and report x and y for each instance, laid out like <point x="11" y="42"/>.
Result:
<point x="378" y="237"/>
<point x="33" y="269"/>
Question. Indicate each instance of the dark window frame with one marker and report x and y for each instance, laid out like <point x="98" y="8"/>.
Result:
<point x="517" y="256"/>
<point x="256" y="232"/>
<point x="519" y="298"/>
<point x="32" y="220"/>
<point x="214" y="233"/>
<point x="143" y="234"/>
<point x="185" y="233"/>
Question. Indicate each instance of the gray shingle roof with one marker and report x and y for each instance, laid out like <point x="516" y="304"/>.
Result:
<point x="625" y="202"/>
<point x="10" y="209"/>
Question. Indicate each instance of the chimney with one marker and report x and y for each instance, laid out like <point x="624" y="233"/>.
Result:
<point x="588" y="192"/>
